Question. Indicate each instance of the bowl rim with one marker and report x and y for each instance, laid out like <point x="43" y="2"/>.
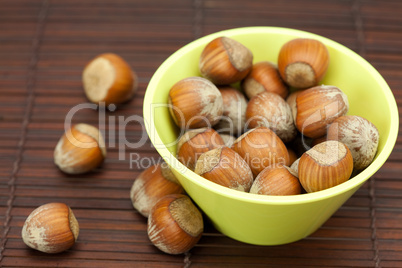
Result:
<point x="351" y="184"/>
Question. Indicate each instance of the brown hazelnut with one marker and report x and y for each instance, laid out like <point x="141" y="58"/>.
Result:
<point x="271" y="111"/>
<point x="276" y="179"/>
<point x="327" y="164"/>
<point x="195" y="102"/>
<point x="264" y="76"/>
<point x="317" y="107"/>
<point x="51" y="228"/>
<point x="108" y="78"/>
<point x="225" y="167"/>
<point x="195" y="142"/>
<point x="261" y="147"/>
<point x="175" y="225"/>
<point x="151" y="185"/>
<point x="225" y="61"/>
<point x="303" y="62"/>
<point x="81" y="149"/>
<point x="359" y="135"/>
<point x="234" y="111"/>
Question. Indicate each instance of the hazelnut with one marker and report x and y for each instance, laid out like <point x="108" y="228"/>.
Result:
<point x="261" y="147"/>
<point x="225" y="61"/>
<point x="359" y="135"/>
<point x="234" y="111"/>
<point x="225" y="167"/>
<point x="80" y="150"/>
<point x="195" y="142"/>
<point x="195" y="102"/>
<point x="264" y="76"/>
<point x="108" y="78"/>
<point x="50" y="228"/>
<point x="151" y="185"/>
<point x="175" y="225"/>
<point x="325" y="165"/>
<point x="276" y="180"/>
<point x="303" y="62"/>
<point x="317" y="107"/>
<point x="271" y="111"/>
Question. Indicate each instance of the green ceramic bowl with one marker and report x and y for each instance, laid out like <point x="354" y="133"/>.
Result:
<point x="271" y="220"/>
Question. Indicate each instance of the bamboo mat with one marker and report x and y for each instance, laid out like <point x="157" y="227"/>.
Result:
<point x="44" y="46"/>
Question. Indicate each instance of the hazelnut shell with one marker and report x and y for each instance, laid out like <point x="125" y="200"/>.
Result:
<point x="359" y="135"/>
<point x="152" y="184"/>
<point x="194" y="102"/>
<point x="175" y="225"/>
<point x="276" y="180"/>
<point x="81" y="149"/>
<point x="195" y="142"/>
<point x="271" y="111"/>
<point x="317" y="107"/>
<point x="261" y="147"/>
<point x="264" y="76"/>
<point x="302" y="62"/>
<point x="109" y="78"/>
<point x="234" y="111"/>
<point x="327" y="164"/>
<point x="225" y="61"/>
<point x="50" y="228"/>
<point x="225" y="167"/>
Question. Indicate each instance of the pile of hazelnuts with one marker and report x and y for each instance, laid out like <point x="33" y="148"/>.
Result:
<point x="259" y="128"/>
<point x="288" y="134"/>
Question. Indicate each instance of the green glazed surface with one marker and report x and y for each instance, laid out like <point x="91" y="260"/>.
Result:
<point x="271" y="220"/>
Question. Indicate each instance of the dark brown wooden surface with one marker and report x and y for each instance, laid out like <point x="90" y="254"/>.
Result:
<point x="44" y="46"/>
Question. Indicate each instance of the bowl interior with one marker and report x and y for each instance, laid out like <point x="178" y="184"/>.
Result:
<point x="368" y="94"/>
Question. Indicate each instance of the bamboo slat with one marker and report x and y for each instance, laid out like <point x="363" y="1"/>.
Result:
<point x="44" y="46"/>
